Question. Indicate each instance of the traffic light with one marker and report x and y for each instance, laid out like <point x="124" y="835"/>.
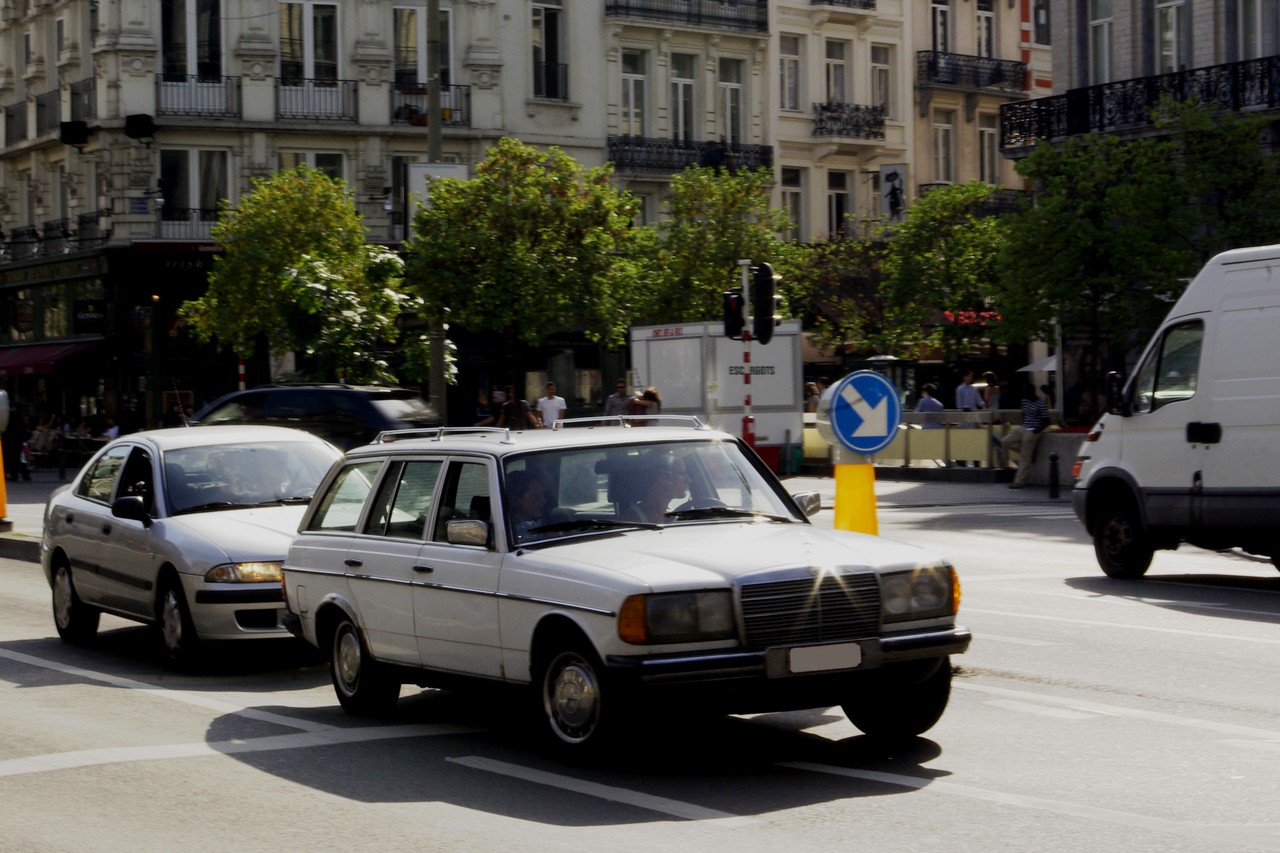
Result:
<point x="764" y="304"/>
<point x="735" y="314"/>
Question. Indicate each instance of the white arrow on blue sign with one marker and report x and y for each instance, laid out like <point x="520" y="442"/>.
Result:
<point x="865" y="411"/>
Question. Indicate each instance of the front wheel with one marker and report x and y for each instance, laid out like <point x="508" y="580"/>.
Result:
<point x="364" y="689"/>
<point x="573" y="699"/>
<point x="77" y="622"/>
<point x="179" y="642"/>
<point x="1123" y="547"/>
<point x="901" y="700"/>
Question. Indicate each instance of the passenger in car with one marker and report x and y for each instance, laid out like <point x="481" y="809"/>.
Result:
<point x="528" y="502"/>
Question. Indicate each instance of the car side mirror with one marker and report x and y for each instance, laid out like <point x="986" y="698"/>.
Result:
<point x="1116" y="403"/>
<point x="131" y="507"/>
<point x="467" y="531"/>
<point x="809" y="502"/>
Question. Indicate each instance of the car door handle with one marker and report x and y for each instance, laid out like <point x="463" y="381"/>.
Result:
<point x="355" y="564"/>
<point x="106" y="529"/>
<point x="424" y="569"/>
<point x="71" y="516"/>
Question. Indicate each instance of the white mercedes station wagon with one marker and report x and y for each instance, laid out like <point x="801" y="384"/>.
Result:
<point x="598" y="566"/>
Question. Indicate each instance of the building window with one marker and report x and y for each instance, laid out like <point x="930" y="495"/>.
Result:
<point x="1099" y="41"/>
<point x="789" y="72"/>
<point x="882" y="79"/>
<point x="193" y="181"/>
<point x="1040" y="21"/>
<point x="684" y="68"/>
<point x="326" y="161"/>
<point x="550" y="74"/>
<point x="1259" y="28"/>
<point x="411" y="39"/>
<point x="986" y="28"/>
<point x="837" y="73"/>
<point x="731" y="101"/>
<point x="308" y="42"/>
<point x="1171" y="35"/>
<point x="793" y="202"/>
<point x="837" y="203"/>
<point x="59" y="37"/>
<point x="941" y="22"/>
<point x="943" y="142"/>
<point x="28" y="52"/>
<point x="191" y="39"/>
<point x="633" y="77"/>
<point x="989" y="149"/>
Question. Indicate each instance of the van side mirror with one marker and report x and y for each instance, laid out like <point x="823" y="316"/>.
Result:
<point x="1116" y="402"/>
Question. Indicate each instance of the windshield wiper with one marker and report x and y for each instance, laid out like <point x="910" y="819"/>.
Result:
<point x="212" y="505"/>
<point x="724" y="512"/>
<point x="593" y="524"/>
<point x="293" y="501"/>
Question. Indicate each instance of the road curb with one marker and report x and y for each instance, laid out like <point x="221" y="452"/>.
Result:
<point x="20" y="548"/>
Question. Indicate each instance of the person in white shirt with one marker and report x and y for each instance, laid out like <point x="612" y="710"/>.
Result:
<point x="550" y="408"/>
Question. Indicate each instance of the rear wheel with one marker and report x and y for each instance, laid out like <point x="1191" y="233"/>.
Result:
<point x="1122" y="545"/>
<point x="364" y="689"/>
<point x="901" y="700"/>
<point x="77" y="622"/>
<point x="178" y="639"/>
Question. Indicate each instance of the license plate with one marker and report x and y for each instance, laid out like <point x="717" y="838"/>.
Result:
<point x="822" y="658"/>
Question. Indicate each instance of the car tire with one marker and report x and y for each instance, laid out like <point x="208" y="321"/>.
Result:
<point x="1123" y="547"/>
<point x="901" y="700"/>
<point x="573" y="701"/>
<point x="77" y="622"/>
<point x="363" y="686"/>
<point x="179" y="642"/>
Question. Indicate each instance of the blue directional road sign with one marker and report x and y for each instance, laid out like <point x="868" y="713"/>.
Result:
<point x="865" y="411"/>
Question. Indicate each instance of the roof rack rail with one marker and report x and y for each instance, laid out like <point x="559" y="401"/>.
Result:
<point x="438" y="433"/>
<point x="691" y="421"/>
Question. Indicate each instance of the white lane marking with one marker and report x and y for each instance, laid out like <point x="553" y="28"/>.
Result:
<point x="1093" y="623"/>
<point x="662" y="805"/>
<point x="189" y="697"/>
<point x="1264" y="745"/>
<point x="330" y="736"/>
<point x="1017" y="641"/>
<point x="1025" y="801"/>
<point x="1040" y="710"/>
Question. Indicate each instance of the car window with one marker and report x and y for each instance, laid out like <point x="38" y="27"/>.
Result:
<point x="98" y="481"/>
<point x="340" y="506"/>
<point x="404" y="501"/>
<point x="138" y="479"/>
<point x="465" y="495"/>
<point x="1171" y="370"/>
<point x="243" y="408"/>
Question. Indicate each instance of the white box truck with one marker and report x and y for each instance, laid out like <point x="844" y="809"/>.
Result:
<point x="698" y="371"/>
<point x="1189" y="450"/>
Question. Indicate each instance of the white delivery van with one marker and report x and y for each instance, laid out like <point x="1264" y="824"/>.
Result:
<point x="1189" y="450"/>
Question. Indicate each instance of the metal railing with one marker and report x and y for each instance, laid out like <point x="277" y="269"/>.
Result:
<point x="1251" y="84"/>
<point x="186" y="223"/>
<point x="1001" y="201"/>
<point x="57" y="237"/>
<point x="745" y="15"/>
<point x="971" y="72"/>
<point x="48" y="112"/>
<point x="15" y="123"/>
<point x="84" y="100"/>
<point x="856" y="121"/>
<point x="24" y="242"/>
<point x="193" y="95"/>
<point x="333" y="100"/>
<point x="868" y="5"/>
<point x="642" y="154"/>
<point x="551" y="81"/>
<point x="409" y="105"/>
<point x="90" y="230"/>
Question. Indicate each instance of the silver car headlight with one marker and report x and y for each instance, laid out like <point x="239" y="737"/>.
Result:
<point x="920" y="593"/>
<point x="256" y="572"/>
<point x="677" y="617"/>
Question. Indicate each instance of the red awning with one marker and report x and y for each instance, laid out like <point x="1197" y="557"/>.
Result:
<point x="38" y="358"/>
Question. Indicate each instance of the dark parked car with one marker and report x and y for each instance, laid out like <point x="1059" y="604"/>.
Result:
<point x="343" y="415"/>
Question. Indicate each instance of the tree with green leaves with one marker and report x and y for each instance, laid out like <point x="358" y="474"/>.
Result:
<point x="532" y="246"/>
<point x="939" y="267"/>
<point x="295" y="269"/>
<point x="837" y="293"/>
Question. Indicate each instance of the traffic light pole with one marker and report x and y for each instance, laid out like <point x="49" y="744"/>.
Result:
<point x="748" y="422"/>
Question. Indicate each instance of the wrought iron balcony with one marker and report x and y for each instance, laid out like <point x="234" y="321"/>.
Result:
<point x="186" y="223"/>
<point x="15" y="123"/>
<point x="58" y="239"/>
<point x="979" y="73"/>
<point x="551" y="81"/>
<point x="194" y="95"/>
<point x="84" y="100"/>
<point x="854" y="121"/>
<point x="24" y="242"/>
<point x="1000" y="202"/>
<point x="92" y="229"/>
<point x="48" y="112"/>
<point x="868" y="5"/>
<point x="322" y="100"/>
<point x="409" y="105"/>
<point x="1252" y="84"/>
<point x="746" y="15"/>
<point x="642" y="154"/>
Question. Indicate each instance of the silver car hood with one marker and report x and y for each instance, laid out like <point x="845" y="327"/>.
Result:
<point x="261" y="533"/>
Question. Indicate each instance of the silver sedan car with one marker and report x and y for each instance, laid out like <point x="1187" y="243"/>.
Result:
<point x="184" y="529"/>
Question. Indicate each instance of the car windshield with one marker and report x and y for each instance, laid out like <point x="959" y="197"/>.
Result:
<point x="223" y="476"/>
<point x="553" y="494"/>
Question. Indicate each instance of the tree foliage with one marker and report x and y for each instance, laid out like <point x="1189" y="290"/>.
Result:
<point x="296" y="270"/>
<point x="837" y="292"/>
<point x="532" y="246"/>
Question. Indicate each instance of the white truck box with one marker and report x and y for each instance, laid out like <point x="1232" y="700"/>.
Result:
<point x="698" y="371"/>
<point x="1188" y="449"/>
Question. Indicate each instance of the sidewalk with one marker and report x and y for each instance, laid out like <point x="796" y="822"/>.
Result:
<point x="24" y="513"/>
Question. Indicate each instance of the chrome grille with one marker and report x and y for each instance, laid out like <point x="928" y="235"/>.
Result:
<point x="811" y="610"/>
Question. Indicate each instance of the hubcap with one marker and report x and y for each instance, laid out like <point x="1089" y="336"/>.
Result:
<point x="346" y="659"/>
<point x="1118" y="536"/>
<point x="62" y="597"/>
<point x="573" y="700"/>
<point x="171" y="622"/>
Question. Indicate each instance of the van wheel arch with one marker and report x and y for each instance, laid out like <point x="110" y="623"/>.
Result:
<point x="1121" y="541"/>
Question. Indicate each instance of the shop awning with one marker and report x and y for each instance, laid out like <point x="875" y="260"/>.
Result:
<point x="1049" y="362"/>
<point x="37" y="359"/>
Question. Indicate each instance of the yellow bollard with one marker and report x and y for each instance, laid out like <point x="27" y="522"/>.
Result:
<point x="4" y="490"/>
<point x="855" y="507"/>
